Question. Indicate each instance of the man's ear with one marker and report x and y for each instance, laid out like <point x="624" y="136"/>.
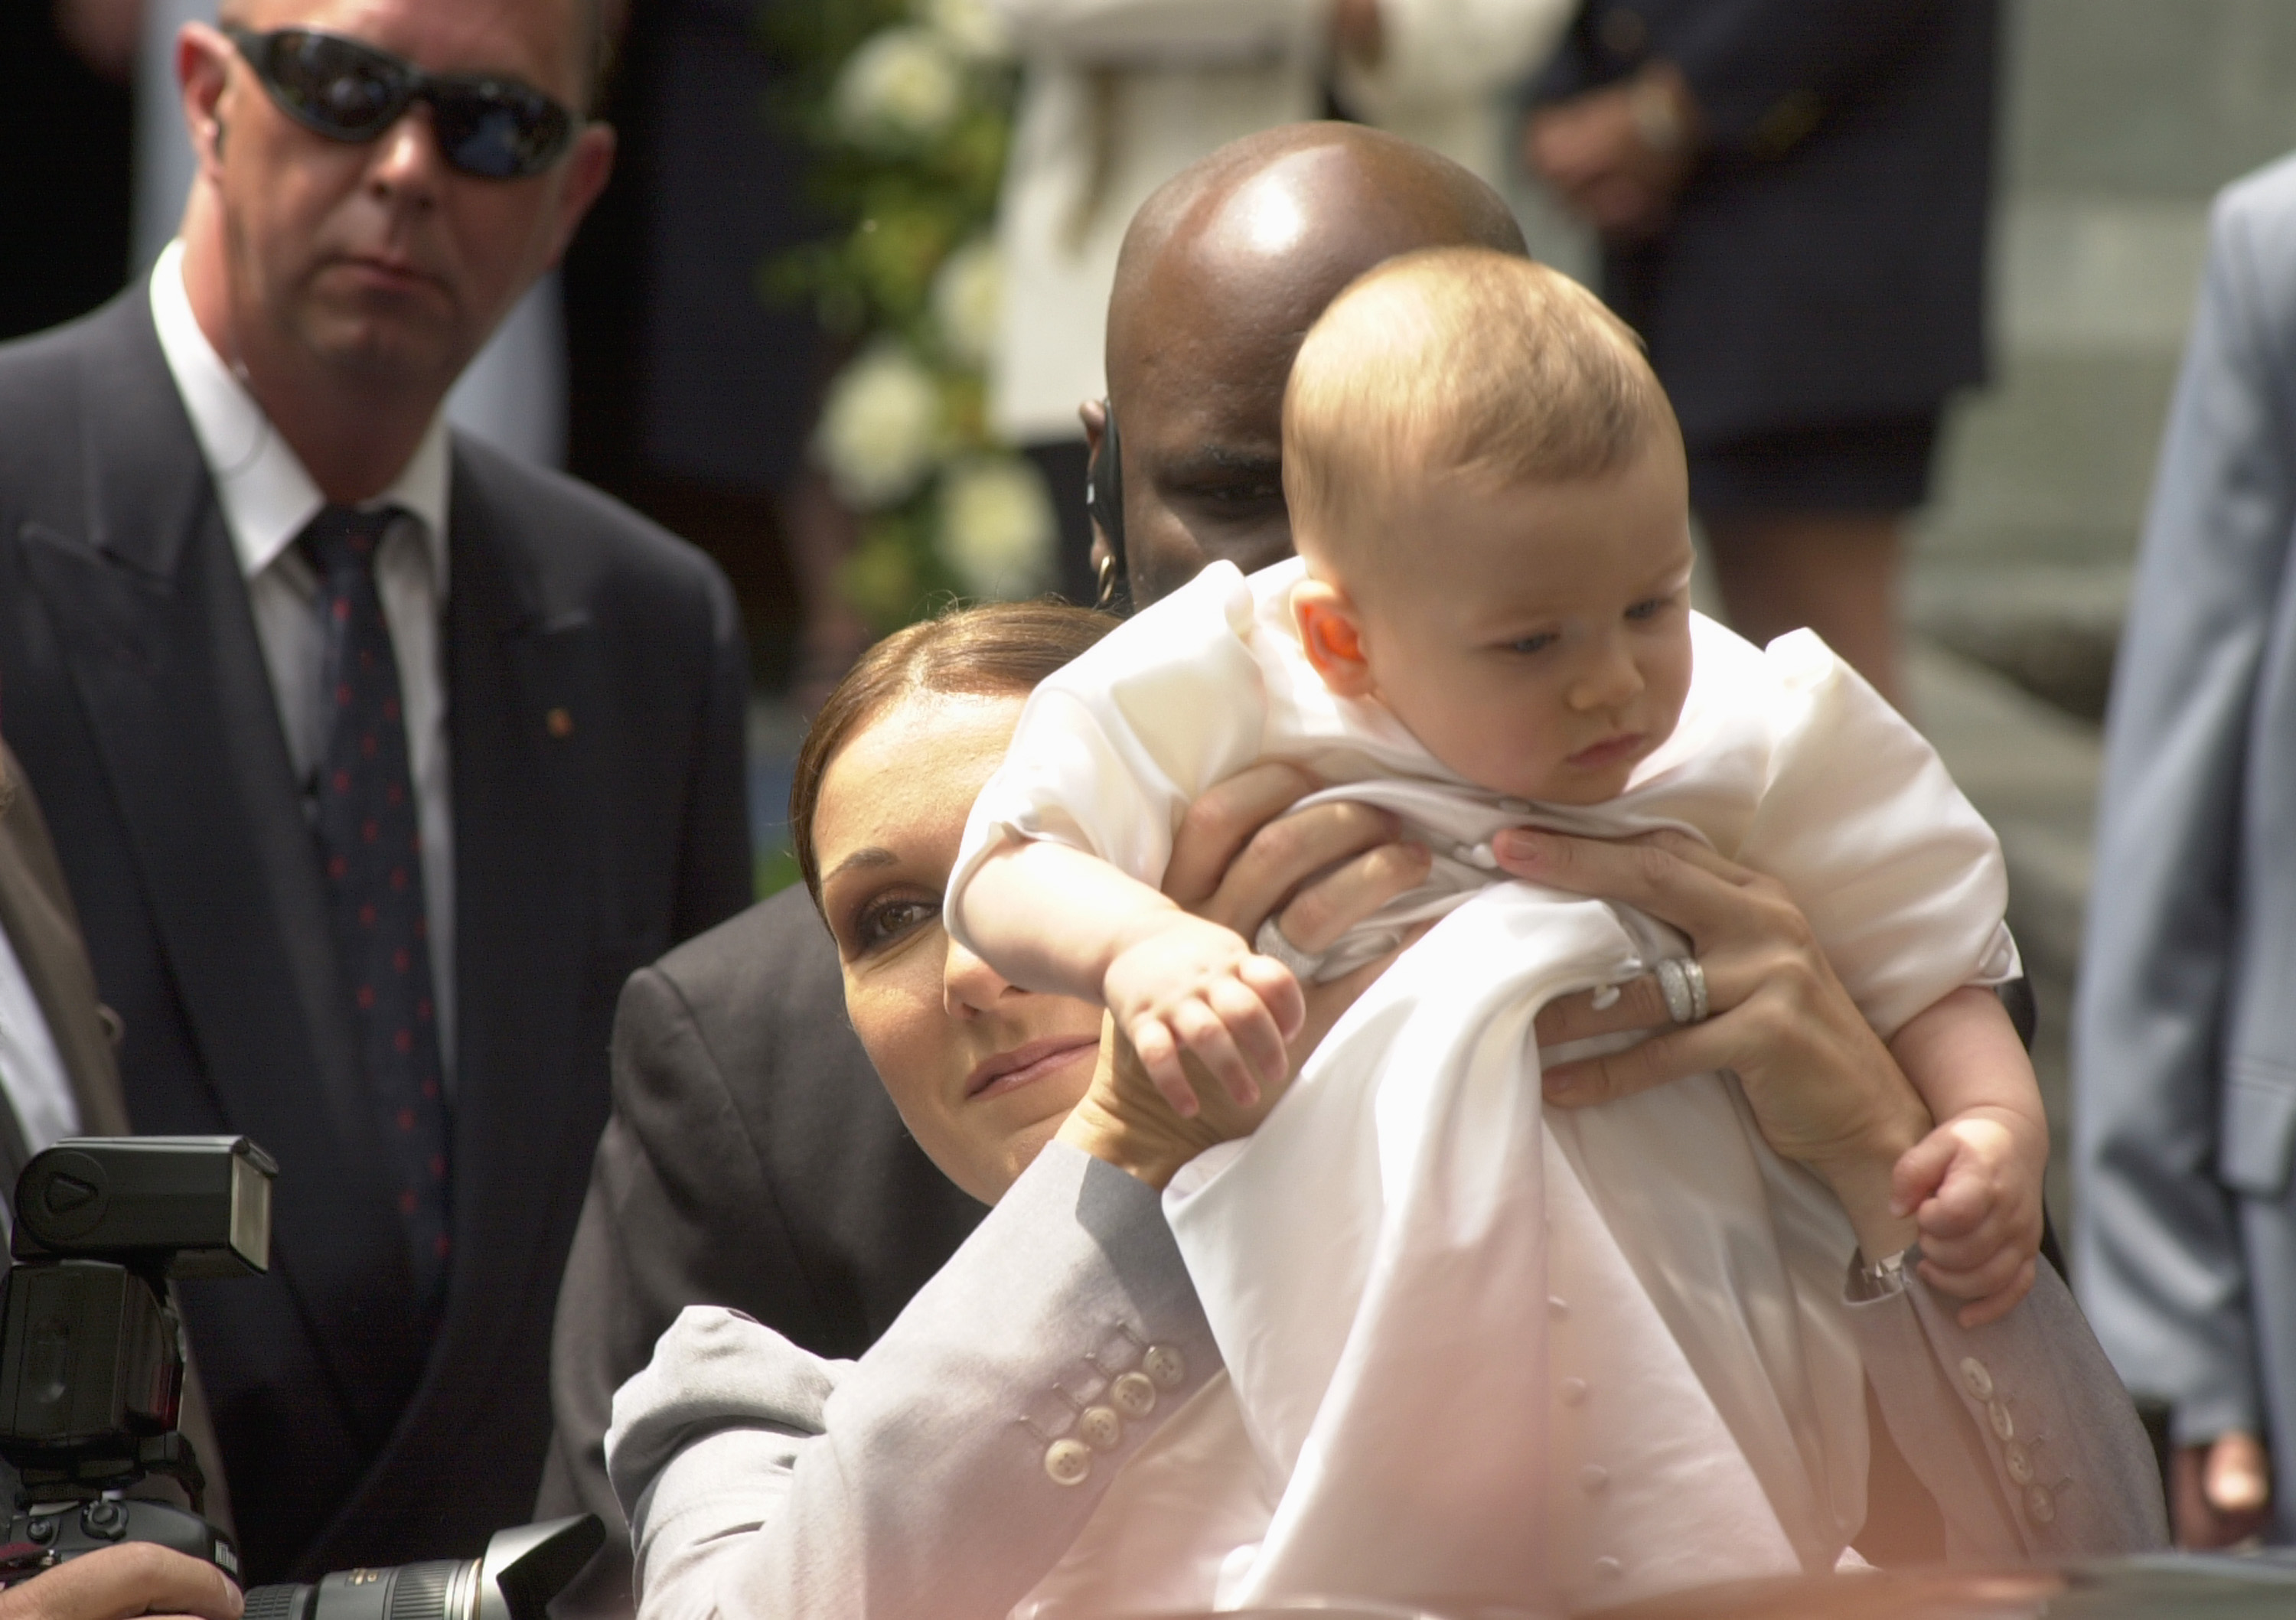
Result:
<point x="1330" y="632"/>
<point x="202" y="67"/>
<point x="586" y="169"/>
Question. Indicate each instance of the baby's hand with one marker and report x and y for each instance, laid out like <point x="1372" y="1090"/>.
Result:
<point x="1187" y="985"/>
<point x="1973" y="1188"/>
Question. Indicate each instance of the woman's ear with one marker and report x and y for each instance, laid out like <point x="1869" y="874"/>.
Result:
<point x="1330" y="632"/>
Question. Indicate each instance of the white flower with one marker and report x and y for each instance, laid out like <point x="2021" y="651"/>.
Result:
<point x="880" y="427"/>
<point x="996" y="528"/>
<point x="904" y="85"/>
<point x="972" y="26"/>
<point x="968" y="292"/>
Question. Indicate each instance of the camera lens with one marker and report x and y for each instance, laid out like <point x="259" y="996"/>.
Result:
<point x="445" y="1589"/>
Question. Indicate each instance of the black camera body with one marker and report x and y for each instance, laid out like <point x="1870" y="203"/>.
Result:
<point x="92" y="1383"/>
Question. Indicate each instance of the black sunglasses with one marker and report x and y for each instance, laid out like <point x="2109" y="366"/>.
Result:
<point x="496" y="128"/>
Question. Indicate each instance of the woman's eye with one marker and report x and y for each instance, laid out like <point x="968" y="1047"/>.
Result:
<point x="886" y="921"/>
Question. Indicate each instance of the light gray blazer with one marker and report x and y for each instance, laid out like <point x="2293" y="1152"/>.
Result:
<point x="926" y="1478"/>
<point x="2185" y="1056"/>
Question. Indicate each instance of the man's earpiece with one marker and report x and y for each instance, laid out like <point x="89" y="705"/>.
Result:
<point x="1103" y="500"/>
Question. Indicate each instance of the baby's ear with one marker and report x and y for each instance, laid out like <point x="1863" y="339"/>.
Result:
<point x="1331" y="633"/>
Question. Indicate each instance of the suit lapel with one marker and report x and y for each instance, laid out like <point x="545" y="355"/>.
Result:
<point x="162" y="648"/>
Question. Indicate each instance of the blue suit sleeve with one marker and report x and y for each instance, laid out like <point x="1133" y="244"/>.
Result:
<point x="2158" y="1251"/>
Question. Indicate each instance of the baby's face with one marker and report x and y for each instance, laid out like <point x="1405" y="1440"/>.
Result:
<point x="1537" y="639"/>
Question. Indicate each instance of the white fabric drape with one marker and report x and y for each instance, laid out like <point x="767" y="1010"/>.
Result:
<point x="1476" y="1347"/>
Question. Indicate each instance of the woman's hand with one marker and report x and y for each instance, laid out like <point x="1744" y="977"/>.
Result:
<point x="1238" y="858"/>
<point x="1824" y="1089"/>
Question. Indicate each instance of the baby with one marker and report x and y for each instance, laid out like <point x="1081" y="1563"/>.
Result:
<point x="1489" y="501"/>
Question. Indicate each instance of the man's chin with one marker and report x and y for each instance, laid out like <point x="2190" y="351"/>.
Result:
<point x="391" y="349"/>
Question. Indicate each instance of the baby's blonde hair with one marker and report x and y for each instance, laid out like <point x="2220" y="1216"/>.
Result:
<point x="1456" y="360"/>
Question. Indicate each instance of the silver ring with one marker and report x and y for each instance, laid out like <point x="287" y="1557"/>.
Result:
<point x="1683" y="983"/>
<point x="1273" y="941"/>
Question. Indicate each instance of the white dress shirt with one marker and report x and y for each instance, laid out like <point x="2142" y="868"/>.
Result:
<point x="267" y="499"/>
<point x="31" y="1068"/>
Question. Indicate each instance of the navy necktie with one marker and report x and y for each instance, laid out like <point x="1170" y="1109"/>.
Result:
<point x="371" y="848"/>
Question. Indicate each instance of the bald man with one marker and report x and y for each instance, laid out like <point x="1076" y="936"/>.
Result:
<point x="726" y="1176"/>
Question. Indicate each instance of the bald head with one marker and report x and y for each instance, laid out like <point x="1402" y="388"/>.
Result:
<point x="1222" y="272"/>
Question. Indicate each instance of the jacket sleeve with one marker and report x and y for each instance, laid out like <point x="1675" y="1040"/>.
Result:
<point x="939" y="1475"/>
<point x="633" y="1265"/>
<point x="1765" y="72"/>
<point x="2020" y="1429"/>
<point x="713" y="875"/>
<point x="2157" y="1252"/>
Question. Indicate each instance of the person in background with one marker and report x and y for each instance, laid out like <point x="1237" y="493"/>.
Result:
<point x="1115" y="100"/>
<point x="375" y="759"/>
<point x="2184" y="1061"/>
<point x="1792" y="198"/>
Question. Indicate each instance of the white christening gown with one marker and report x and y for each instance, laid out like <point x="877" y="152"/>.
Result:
<point x="1476" y="1348"/>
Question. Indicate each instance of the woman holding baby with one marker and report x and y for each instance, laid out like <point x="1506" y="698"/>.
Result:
<point x="983" y="1453"/>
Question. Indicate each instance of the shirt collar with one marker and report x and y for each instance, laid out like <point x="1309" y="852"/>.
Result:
<point x="266" y="496"/>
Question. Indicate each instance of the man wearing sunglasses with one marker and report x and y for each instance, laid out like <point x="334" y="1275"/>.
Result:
<point x="375" y="760"/>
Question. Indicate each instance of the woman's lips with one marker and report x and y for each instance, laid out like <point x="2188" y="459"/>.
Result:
<point x="1607" y="752"/>
<point x="1009" y="1071"/>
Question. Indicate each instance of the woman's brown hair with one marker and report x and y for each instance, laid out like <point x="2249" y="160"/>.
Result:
<point x="1002" y="647"/>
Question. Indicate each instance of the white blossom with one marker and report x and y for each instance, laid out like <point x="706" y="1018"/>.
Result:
<point x="903" y="84"/>
<point x="972" y="26"/>
<point x="997" y="529"/>
<point x="968" y="293"/>
<point x="880" y="427"/>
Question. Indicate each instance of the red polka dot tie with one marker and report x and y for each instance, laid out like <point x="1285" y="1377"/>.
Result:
<point x="371" y="846"/>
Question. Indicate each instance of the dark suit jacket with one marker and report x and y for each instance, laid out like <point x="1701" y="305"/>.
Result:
<point x="1826" y="261"/>
<point x="137" y="696"/>
<point x="752" y="1161"/>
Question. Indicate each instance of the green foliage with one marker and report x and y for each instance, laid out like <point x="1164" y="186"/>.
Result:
<point x="905" y="117"/>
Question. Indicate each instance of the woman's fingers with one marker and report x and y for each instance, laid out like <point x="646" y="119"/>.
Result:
<point x="1223" y="821"/>
<point x="1690" y="1049"/>
<point x="1640" y="1004"/>
<point x="1670" y="875"/>
<point x="1330" y="905"/>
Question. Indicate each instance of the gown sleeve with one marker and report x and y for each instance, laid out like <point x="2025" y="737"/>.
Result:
<point x="1112" y="750"/>
<point x="1902" y="881"/>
